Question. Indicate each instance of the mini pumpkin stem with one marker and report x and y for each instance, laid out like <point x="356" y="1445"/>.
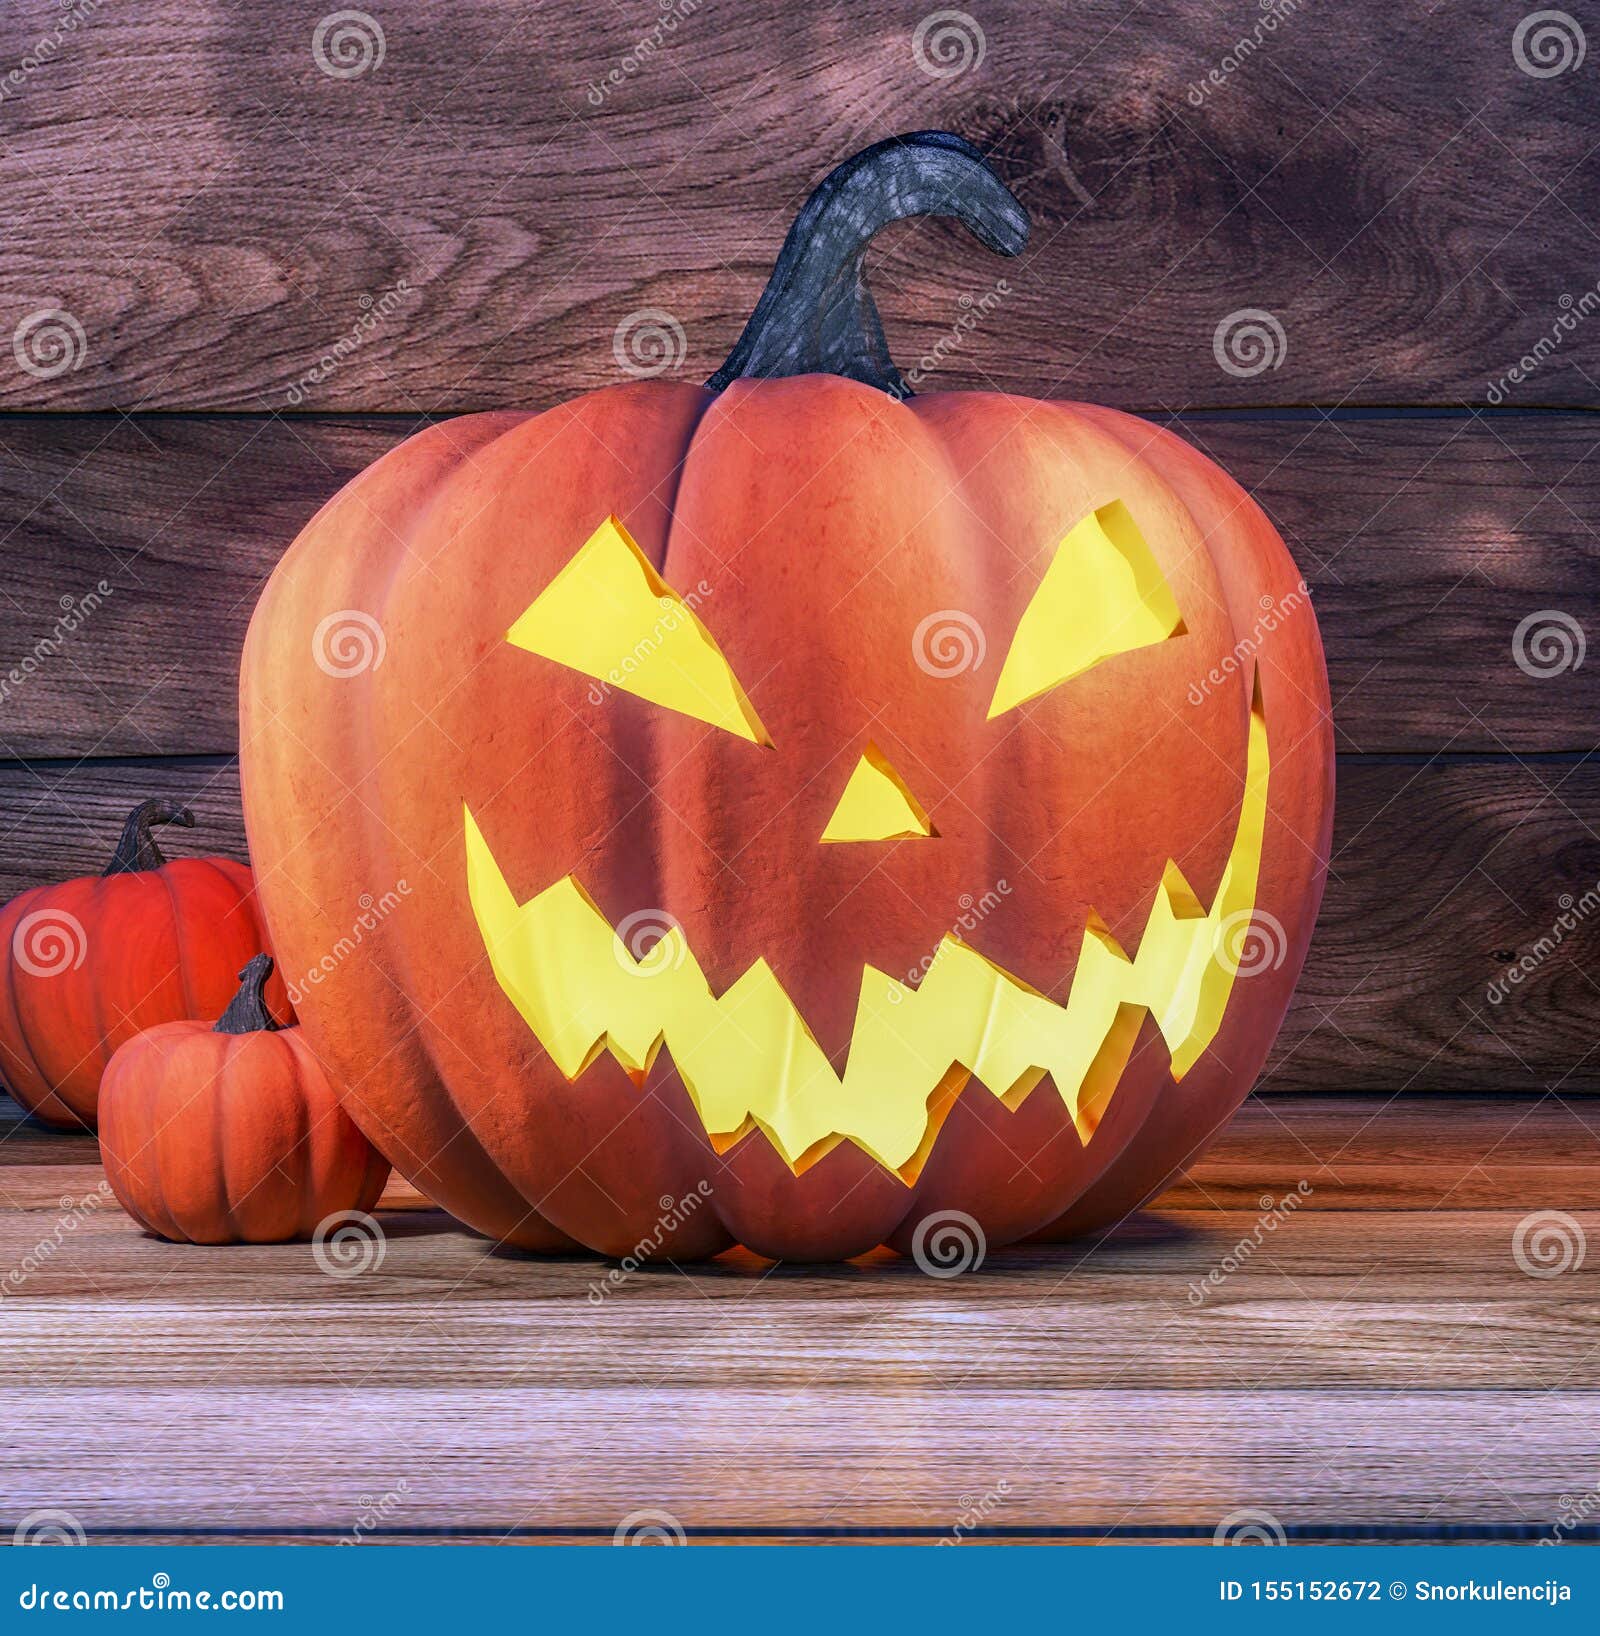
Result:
<point x="137" y="850"/>
<point x="816" y="315"/>
<point x="247" y="1011"/>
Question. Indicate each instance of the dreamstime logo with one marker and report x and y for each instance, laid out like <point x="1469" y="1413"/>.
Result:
<point x="374" y="313"/>
<point x="652" y="1526"/>
<point x="973" y="910"/>
<point x="348" y="643"/>
<point x="347" y="44"/>
<point x="49" y="343"/>
<point x="1274" y="611"/>
<point x="373" y="910"/>
<point x="49" y="942"/>
<point x="949" y="643"/>
<point x="374" y="1513"/>
<point x="948" y="43"/>
<point x="975" y="1512"/>
<point x="947" y="1244"/>
<point x="974" y="309"/>
<point x="71" y="16"/>
<point x="1573" y="912"/>
<point x="349" y="1243"/>
<point x="674" y="1213"/>
<point x="1251" y="941"/>
<point x="51" y="1526"/>
<point x="1245" y="47"/>
<point x="1548" y="43"/>
<point x="649" y="942"/>
<point x="1571" y="312"/>
<point x="1274" y="1213"/>
<point x="1250" y="1527"/>
<point x="1548" y="643"/>
<point x="75" y="612"/>
<point x="74" y="1213"/>
<point x="1249" y="342"/>
<point x="675" y="614"/>
<point x="1575" y="1512"/>
<point x="643" y="49"/>
<point x="648" y="343"/>
<point x="1547" y="1243"/>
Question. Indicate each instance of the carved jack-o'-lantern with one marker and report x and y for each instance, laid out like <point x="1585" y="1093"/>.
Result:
<point x="818" y="808"/>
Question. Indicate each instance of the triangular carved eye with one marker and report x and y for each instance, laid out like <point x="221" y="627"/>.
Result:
<point x="877" y="806"/>
<point x="609" y="614"/>
<point x="1102" y="595"/>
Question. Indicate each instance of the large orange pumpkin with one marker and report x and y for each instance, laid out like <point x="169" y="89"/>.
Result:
<point x="229" y="1132"/>
<point x="809" y="809"/>
<point x="90" y="963"/>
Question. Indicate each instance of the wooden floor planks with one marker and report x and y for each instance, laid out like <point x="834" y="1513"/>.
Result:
<point x="1377" y="1360"/>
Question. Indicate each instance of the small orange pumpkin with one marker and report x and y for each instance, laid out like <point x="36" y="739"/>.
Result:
<point x="230" y="1133"/>
<point x="89" y="963"/>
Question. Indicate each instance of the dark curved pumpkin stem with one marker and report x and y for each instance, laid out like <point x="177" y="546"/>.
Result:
<point x="816" y="315"/>
<point x="247" y="1011"/>
<point x="137" y="850"/>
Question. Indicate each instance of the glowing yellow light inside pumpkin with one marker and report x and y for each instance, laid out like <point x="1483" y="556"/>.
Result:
<point x="610" y="615"/>
<point x="876" y="805"/>
<point x="1101" y="595"/>
<point x="748" y="1060"/>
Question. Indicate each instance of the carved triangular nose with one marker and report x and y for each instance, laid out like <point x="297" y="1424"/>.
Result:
<point x="877" y="806"/>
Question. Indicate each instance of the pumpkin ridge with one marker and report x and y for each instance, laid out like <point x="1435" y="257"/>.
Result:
<point x="1289" y="659"/>
<point x="1137" y="438"/>
<point x="309" y="1180"/>
<point x="217" y="1110"/>
<point x="166" y="1224"/>
<point x="655" y="724"/>
<point x="88" y="982"/>
<point x="237" y="878"/>
<point x="98" y="891"/>
<point x="46" y="1097"/>
<point x="1123" y="430"/>
<point x="363" y="733"/>
<point x="313" y="577"/>
<point x="971" y="513"/>
<point x="175" y="910"/>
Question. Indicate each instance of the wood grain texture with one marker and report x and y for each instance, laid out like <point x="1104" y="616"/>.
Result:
<point x="1125" y="1536"/>
<point x="1426" y="543"/>
<point x="889" y="1454"/>
<point x="1357" y="1152"/>
<point x="475" y="216"/>
<point x="1066" y="1322"/>
<point x="1459" y="937"/>
<point x="1445" y="875"/>
<point x="1364" y="1362"/>
<point x="62" y="818"/>
<point x="1443" y="878"/>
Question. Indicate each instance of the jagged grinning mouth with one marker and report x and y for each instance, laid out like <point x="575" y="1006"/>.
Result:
<point x="749" y="1062"/>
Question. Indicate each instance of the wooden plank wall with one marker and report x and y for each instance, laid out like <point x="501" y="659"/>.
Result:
<point x="488" y="204"/>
